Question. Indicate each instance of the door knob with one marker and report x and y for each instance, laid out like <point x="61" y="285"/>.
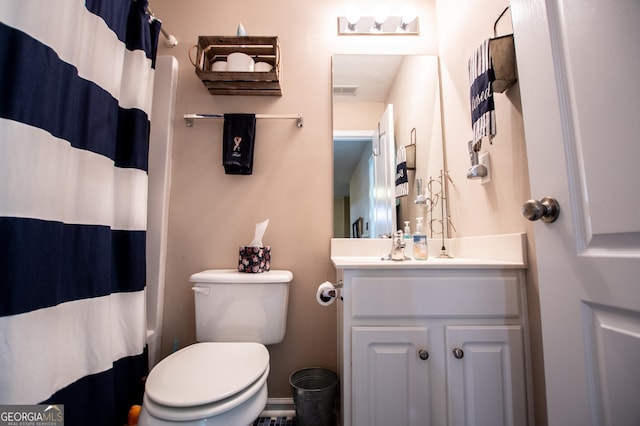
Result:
<point x="423" y="354"/>
<point x="546" y="209"/>
<point x="458" y="353"/>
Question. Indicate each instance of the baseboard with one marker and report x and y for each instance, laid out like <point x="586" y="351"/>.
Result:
<point x="279" y="407"/>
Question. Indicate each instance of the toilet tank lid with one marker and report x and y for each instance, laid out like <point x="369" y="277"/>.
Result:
<point x="233" y="276"/>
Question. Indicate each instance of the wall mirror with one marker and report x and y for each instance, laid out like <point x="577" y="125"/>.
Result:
<point x="382" y="102"/>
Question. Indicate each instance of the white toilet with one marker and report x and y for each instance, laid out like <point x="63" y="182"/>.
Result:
<point x="222" y="380"/>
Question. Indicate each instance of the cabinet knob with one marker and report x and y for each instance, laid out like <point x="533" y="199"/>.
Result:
<point x="458" y="353"/>
<point x="423" y="354"/>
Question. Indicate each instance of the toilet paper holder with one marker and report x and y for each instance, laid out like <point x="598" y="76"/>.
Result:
<point x="328" y="294"/>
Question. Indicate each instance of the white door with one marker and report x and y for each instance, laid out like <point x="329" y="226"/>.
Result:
<point x="486" y="376"/>
<point x="579" y="73"/>
<point x="383" y="198"/>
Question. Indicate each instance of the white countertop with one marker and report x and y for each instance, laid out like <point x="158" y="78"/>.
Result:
<point x="371" y="262"/>
<point x="490" y="252"/>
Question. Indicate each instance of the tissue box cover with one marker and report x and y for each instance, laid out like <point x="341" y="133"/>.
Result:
<point x="254" y="259"/>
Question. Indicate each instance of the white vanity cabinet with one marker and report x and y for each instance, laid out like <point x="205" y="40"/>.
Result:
<point x="433" y="346"/>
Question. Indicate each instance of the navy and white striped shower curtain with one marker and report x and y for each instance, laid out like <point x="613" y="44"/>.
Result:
<point x="76" y="80"/>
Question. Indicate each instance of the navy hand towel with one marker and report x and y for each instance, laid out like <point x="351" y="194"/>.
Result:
<point x="402" y="180"/>
<point x="481" y="76"/>
<point x="238" y="141"/>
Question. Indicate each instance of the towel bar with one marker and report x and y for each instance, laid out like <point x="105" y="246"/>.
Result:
<point x="189" y="118"/>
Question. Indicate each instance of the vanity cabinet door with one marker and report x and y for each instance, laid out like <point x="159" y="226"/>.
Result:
<point x="390" y="376"/>
<point x="486" y="376"/>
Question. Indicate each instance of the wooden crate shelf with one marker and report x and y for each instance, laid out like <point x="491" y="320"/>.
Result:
<point x="262" y="49"/>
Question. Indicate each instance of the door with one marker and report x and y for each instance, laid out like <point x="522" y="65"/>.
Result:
<point x="383" y="198"/>
<point x="485" y="376"/>
<point x="578" y="65"/>
<point x="390" y="376"/>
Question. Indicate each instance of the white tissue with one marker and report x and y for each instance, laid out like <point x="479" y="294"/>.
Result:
<point x="260" y="230"/>
<point x="322" y="294"/>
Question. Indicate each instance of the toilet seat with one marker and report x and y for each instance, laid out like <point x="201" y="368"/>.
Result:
<point x="206" y="379"/>
<point x="186" y="414"/>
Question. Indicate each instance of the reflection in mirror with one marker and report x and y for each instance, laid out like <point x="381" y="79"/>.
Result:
<point x="382" y="103"/>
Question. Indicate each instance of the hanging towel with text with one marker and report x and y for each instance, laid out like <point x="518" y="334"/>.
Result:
<point x="402" y="180"/>
<point x="481" y="76"/>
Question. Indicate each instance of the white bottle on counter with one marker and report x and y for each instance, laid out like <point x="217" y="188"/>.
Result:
<point x="408" y="239"/>
<point x="420" y="251"/>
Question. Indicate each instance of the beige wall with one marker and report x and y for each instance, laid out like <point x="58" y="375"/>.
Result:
<point x="212" y="213"/>
<point x="341" y="227"/>
<point x="492" y="208"/>
<point x="357" y="115"/>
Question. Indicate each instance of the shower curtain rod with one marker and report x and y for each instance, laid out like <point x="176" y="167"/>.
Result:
<point x="170" y="41"/>
<point x="189" y="118"/>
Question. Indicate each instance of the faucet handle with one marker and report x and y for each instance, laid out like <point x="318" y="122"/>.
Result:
<point x="399" y="240"/>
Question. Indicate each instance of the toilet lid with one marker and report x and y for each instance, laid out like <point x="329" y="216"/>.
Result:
<point x="206" y="372"/>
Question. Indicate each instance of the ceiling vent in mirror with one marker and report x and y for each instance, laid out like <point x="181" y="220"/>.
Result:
<point x="345" y="90"/>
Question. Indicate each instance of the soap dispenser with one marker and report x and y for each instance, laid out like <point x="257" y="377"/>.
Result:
<point x="408" y="238"/>
<point x="420" y="243"/>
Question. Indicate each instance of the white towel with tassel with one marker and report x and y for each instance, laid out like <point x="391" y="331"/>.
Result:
<point x="481" y="76"/>
<point x="402" y="180"/>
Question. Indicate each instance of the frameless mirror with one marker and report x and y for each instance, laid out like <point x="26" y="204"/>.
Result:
<point x="382" y="103"/>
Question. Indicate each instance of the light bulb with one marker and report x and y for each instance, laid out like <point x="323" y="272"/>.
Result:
<point x="408" y="14"/>
<point x="380" y="14"/>
<point x="353" y="14"/>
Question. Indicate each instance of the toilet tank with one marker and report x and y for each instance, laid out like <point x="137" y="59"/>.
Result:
<point x="234" y="306"/>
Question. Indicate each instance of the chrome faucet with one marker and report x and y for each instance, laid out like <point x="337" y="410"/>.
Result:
<point x="397" y="248"/>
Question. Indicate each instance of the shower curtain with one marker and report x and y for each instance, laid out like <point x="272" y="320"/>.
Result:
<point x="76" y="81"/>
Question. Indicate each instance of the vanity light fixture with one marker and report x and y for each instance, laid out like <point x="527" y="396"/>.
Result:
<point x="379" y="23"/>
<point x="379" y="16"/>
<point x="377" y="26"/>
<point x="353" y="16"/>
<point x="408" y="16"/>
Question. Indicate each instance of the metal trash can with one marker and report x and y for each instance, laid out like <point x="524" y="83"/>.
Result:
<point x="314" y="394"/>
